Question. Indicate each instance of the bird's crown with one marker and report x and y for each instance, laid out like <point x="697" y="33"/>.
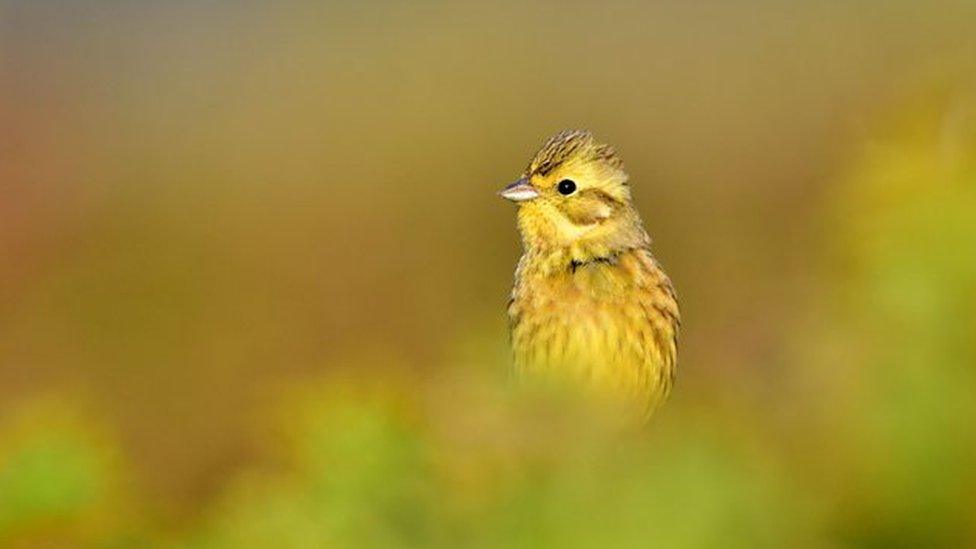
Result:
<point x="568" y="145"/>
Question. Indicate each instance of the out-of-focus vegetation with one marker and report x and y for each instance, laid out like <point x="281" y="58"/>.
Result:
<point x="253" y="274"/>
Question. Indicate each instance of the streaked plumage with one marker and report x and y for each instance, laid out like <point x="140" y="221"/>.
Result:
<point x="590" y="303"/>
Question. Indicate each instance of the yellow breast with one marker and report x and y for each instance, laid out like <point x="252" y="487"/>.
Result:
<point x="610" y="325"/>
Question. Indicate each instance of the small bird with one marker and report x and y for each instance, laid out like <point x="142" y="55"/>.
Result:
<point x="590" y="304"/>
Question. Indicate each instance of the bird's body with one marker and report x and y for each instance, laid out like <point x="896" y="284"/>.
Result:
<point x="590" y="303"/>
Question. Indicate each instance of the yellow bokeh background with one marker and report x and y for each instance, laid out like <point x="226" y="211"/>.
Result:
<point x="254" y="273"/>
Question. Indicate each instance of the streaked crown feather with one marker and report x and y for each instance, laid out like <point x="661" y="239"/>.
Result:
<point x="569" y="144"/>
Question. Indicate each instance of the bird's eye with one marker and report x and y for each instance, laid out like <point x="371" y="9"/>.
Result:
<point x="566" y="187"/>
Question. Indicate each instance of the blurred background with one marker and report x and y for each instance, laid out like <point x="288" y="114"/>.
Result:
<point x="253" y="273"/>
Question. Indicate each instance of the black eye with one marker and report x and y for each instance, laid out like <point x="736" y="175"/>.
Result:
<point x="566" y="187"/>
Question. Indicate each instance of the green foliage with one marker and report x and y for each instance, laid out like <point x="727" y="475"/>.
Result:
<point x="906" y="306"/>
<point x="59" y="479"/>
<point x="49" y="477"/>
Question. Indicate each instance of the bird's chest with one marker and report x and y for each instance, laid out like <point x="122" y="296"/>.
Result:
<point x="591" y="321"/>
<point x="611" y="326"/>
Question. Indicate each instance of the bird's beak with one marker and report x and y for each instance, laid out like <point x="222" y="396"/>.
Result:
<point x="519" y="191"/>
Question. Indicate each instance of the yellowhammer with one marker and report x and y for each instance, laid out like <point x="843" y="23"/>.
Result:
<point x="590" y="304"/>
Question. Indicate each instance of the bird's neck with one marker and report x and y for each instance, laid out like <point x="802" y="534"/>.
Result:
<point x="571" y="256"/>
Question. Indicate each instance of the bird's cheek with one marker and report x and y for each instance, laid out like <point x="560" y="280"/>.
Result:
<point x="588" y="213"/>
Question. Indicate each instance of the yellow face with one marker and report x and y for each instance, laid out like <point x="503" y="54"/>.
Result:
<point x="582" y="198"/>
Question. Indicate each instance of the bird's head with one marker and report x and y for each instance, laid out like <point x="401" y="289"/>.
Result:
<point x="574" y="196"/>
